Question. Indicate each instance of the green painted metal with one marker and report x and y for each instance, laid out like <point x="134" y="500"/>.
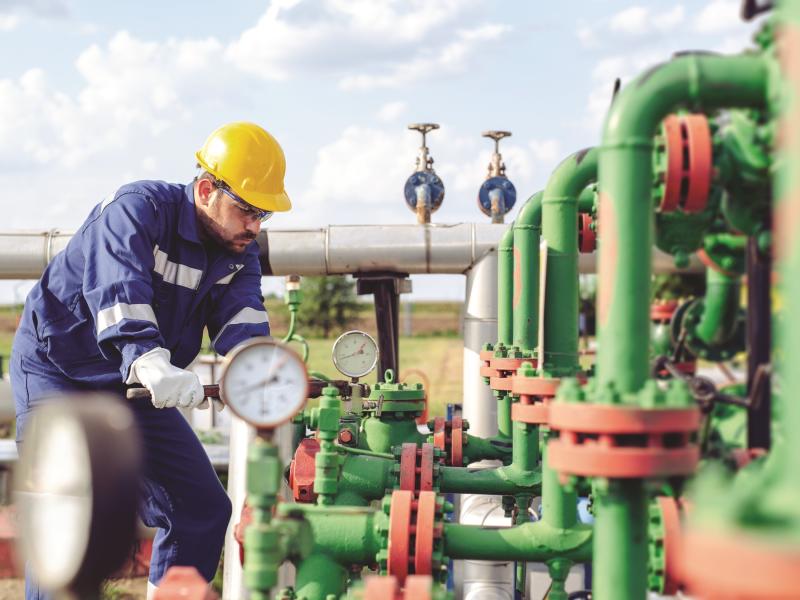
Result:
<point x="715" y="324"/>
<point x="319" y="577"/>
<point x="477" y="448"/>
<point x="560" y="230"/>
<point x="504" y="416"/>
<point x="626" y="176"/>
<point x="327" y="461"/>
<point x="532" y="542"/>
<point x="527" y="230"/>
<point x="381" y="434"/>
<point x="505" y="287"/>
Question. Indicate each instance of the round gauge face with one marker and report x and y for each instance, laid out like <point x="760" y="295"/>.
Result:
<point x="264" y="382"/>
<point x="355" y="353"/>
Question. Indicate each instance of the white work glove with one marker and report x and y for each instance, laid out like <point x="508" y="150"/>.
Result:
<point x="168" y="385"/>
<point x="216" y="402"/>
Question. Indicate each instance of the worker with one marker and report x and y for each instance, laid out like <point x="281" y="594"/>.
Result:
<point x="126" y="303"/>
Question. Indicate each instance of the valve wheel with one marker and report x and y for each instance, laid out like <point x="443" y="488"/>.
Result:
<point x="689" y="168"/>
<point x="587" y="238"/>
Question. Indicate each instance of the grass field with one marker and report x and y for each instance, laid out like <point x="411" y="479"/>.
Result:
<point x="434" y="353"/>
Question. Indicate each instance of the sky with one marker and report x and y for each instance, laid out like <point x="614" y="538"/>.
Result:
<point x="94" y="94"/>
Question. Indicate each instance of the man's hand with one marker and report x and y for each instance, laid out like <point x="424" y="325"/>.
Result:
<point x="169" y="385"/>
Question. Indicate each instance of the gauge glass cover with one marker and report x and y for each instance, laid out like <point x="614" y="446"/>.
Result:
<point x="355" y="353"/>
<point x="264" y="382"/>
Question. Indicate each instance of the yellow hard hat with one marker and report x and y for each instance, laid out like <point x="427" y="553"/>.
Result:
<point x="250" y="161"/>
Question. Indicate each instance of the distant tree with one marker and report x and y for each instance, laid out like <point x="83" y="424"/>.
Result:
<point x="328" y="303"/>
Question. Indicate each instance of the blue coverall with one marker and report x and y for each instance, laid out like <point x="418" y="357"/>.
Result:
<point x="136" y="276"/>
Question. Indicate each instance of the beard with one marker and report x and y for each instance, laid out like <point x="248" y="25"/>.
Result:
<point x="216" y="234"/>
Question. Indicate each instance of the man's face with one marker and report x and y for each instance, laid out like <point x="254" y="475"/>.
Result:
<point x="223" y="220"/>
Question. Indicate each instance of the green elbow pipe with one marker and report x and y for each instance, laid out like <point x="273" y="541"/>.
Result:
<point x="560" y="230"/>
<point x="319" y="577"/>
<point x="477" y="448"/>
<point x="505" y="287"/>
<point x="721" y="312"/>
<point x="532" y="542"/>
<point x="626" y="173"/>
<point x="505" y="481"/>
<point x="525" y="305"/>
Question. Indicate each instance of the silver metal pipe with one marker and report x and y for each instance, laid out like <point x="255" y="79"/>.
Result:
<point x="335" y="249"/>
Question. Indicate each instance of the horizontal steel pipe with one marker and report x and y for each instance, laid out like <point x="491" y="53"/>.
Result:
<point x="332" y="250"/>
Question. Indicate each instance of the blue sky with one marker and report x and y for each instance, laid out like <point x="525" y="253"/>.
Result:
<point x="94" y="94"/>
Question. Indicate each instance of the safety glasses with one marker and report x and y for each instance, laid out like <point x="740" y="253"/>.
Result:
<point x="248" y="209"/>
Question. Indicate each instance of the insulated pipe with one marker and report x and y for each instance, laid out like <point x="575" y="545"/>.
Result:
<point x="332" y="250"/>
<point x="704" y="82"/>
<point x="560" y="231"/>
<point x="505" y="287"/>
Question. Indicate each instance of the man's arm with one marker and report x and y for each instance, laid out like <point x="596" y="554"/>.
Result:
<point x="239" y="313"/>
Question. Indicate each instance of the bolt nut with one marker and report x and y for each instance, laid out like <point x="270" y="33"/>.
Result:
<point x="345" y="436"/>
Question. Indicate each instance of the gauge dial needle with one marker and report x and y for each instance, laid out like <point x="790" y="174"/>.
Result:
<point x="359" y="351"/>
<point x="271" y="377"/>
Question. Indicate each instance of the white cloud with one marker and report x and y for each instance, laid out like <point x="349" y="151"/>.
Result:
<point x="640" y="20"/>
<point x="9" y="22"/>
<point x="718" y="16"/>
<point x="392" y="110"/>
<point x="545" y="150"/>
<point x="363" y="43"/>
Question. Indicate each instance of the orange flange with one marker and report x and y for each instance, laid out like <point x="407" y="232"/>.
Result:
<point x="424" y="534"/>
<point x="509" y="364"/>
<point x="426" y="461"/>
<point x="587" y="239"/>
<point x="377" y="587"/>
<point x="408" y="467"/>
<point x="606" y="418"/>
<point x="418" y="587"/>
<point x="302" y="471"/>
<point x="698" y="140"/>
<point x="501" y="383"/>
<point x="673" y="542"/>
<point x="486" y="371"/>
<point x="534" y="386"/>
<point x="663" y="311"/>
<point x="440" y="434"/>
<point x="739" y="566"/>
<point x="600" y="440"/>
<point x="457" y="442"/>
<point x="399" y="534"/>
<point x="535" y="413"/>
<point x="673" y="139"/>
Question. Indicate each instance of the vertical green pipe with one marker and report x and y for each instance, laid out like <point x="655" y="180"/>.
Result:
<point x="786" y="219"/>
<point x="505" y="287"/>
<point x="504" y="415"/>
<point x="560" y="230"/>
<point x="319" y="577"/>
<point x="527" y="229"/>
<point x="525" y="446"/>
<point x="620" y="549"/>
<point x="626" y="219"/>
<point x="559" y="505"/>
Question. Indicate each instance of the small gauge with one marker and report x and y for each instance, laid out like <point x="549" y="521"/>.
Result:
<point x="355" y="353"/>
<point x="264" y="382"/>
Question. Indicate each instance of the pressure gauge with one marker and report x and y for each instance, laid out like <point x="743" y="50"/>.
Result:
<point x="264" y="382"/>
<point x="355" y="353"/>
<point x="76" y="489"/>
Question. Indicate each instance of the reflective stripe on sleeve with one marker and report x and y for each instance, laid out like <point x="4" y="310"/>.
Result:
<point x="176" y="273"/>
<point x="108" y="317"/>
<point x="246" y="315"/>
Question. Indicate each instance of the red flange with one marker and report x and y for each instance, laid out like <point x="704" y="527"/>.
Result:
<point x="587" y="239"/>
<point x="663" y="311"/>
<point x="534" y="386"/>
<point x="377" y="587"/>
<point x="673" y="542"/>
<point x="689" y="163"/>
<point x="408" y="467"/>
<point x="448" y="436"/>
<point x="418" y="587"/>
<point x="423" y="544"/>
<point x="184" y="583"/>
<point x="535" y="413"/>
<point x="501" y="383"/>
<point x="302" y="471"/>
<point x="440" y="434"/>
<point x="598" y="440"/>
<point x="426" y="462"/>
<point x="399" y="534"/>
<point x="739" y="566"/>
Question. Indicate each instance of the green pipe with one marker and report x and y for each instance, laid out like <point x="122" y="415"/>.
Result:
<point x="476" y="448"/>
<point x="525" y="447"/>
<point x="720" y="308"/>
<point x="559" y="504"/>
<point x="620" y="541"/>
<point x="531" y="542"/>
<point x="505" y="287"/>
<point x="704" y="82"/>
<point x="527" y="229"/>
<point x="366" y="477"/>
<point x="504" y="416"/>
<point x="320" y="577"/>
<point x="506" y="481"/>
<point x="560" y="230"/>
<point x="381" y="434"/>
